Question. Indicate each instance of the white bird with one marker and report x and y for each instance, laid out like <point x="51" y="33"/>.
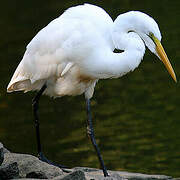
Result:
<point x="74" y="51"/>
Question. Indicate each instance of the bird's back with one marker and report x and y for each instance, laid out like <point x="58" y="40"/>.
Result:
<point x="52" y="55"/>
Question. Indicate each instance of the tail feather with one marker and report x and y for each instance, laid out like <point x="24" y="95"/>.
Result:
<point x="22" y="85"/>
<point x="20" y="81"/>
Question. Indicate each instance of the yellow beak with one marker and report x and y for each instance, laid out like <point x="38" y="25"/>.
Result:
<point x="160" y="51"/>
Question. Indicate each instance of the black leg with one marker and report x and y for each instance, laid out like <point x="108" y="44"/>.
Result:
<point x="90" y="132"/>
<point x="35" y="105"/>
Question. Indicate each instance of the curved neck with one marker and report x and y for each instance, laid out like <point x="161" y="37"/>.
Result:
<point x="113" y="65"/>
<point x="118" y="64"/>
<point x="125" y="37"/>
<point x="125" y="33"/>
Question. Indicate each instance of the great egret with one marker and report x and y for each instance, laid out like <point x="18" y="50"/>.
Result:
<point x="72" y="52"/>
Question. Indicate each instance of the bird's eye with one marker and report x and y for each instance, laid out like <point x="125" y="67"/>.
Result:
<point x="153" y="38"/>
<point x="151" y="35"/>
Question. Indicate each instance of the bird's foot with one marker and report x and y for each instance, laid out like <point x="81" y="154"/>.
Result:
<point x="44" y="159"/>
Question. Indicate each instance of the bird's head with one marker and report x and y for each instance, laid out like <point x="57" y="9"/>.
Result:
<point x="148" y="30"/>
<point x="151" y="35"/>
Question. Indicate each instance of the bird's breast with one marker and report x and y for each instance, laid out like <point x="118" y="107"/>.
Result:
<point x="73" y="83"/>
<point x="85" y="79"/>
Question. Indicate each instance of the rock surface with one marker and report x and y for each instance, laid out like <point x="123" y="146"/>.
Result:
<point x="2" y="152"/>
<point x="29" y="164"/>
<point x="96" y="174"/>
<point x="9" y="171"/>
<point x="28" y="167"/>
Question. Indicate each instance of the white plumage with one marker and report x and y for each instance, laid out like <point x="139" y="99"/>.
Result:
<point x="70" y="54"/>
<point x="75" y="50"/>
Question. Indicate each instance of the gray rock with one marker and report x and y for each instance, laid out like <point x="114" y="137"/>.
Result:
<point x="139" y="176"/>
<point x="4" y="149"/>
<point x="9" y="171"/>
<point x="84" y="173"/>
<point x="76" y="175"/>
<point x="1" y="153"/>
<point x="1" y="145"/>
<point x="28" y="164"/>
<point x="97" y="174"/>
<point x="36" y="175"/>
<point x="1" y="156"/>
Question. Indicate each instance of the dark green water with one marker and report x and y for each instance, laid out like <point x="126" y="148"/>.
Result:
<point x="136" y="117"/>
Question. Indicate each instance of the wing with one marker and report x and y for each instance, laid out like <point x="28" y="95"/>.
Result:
<point x="54" y="50"/>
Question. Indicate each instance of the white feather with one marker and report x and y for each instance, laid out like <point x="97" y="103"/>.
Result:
<point x="76" y="49"/>
<point x="66" y="69"/>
